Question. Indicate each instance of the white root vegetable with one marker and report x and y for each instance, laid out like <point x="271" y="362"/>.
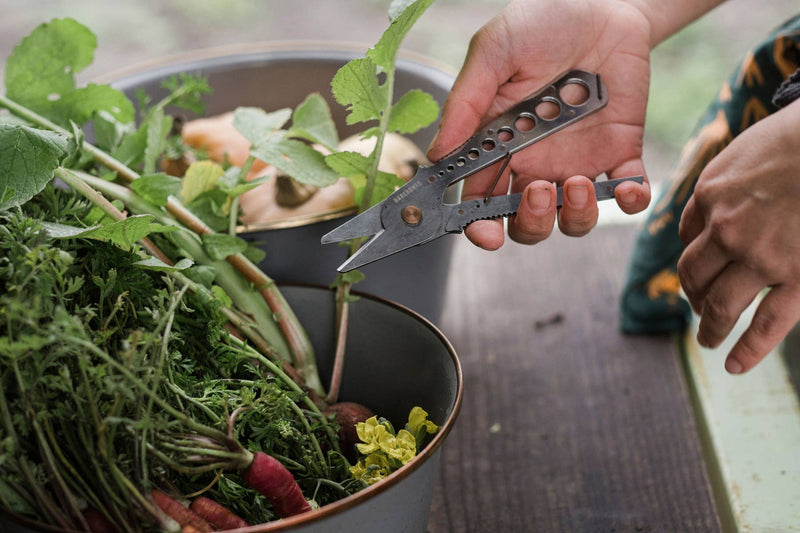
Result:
<point x="218" y="137"/>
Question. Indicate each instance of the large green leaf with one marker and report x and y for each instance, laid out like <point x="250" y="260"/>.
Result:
<point x="28" y="158"/>
<point x="312" y="120"/>
<point x="40" y="74"/>
<point x="356" y="87"/>
<point x="296" y="159"/>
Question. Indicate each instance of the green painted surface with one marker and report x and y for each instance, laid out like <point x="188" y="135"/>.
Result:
<point x="751" y="430"/>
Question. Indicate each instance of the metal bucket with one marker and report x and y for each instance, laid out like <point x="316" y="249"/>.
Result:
<point x="395" y="360"/>
<point x="277" y="75"/>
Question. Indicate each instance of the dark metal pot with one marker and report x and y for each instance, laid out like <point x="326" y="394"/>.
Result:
<point x="278" y="75"/>
<point x="395" y="360"/>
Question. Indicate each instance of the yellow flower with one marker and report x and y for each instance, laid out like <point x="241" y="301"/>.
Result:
<point x="402" y="448"/>
<point x="386" y="451"/>
<point x="372" y="433"/>
<point x="376" y="437"/>
<point x="372" y="468"/>
<point x="418" y="418"/>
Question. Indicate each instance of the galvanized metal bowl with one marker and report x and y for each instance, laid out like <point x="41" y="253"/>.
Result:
<point x="395" y="360"/>
<point x="277" y="75"/>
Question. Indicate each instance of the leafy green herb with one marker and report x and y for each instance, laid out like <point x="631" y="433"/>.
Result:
<point x="157" y="188"/>
<point x="27" y="159"/>
<point x="365" y="87"/>
<point x="121" y="370"/>
<point x="40" y="74"/>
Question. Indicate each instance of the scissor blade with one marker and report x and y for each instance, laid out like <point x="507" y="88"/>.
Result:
<point x="378" y="247"/>
<point x="362" y="225"/>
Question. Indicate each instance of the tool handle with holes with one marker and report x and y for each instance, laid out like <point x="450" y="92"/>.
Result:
<point x="543" y="114"/>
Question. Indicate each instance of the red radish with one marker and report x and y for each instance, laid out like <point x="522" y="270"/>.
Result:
<point x="215" y="514"/>
<point x="269" y="477"/>
<point x="98" y="522"/>
<point x="347" y="415"/>
<point x="179" y="513"/>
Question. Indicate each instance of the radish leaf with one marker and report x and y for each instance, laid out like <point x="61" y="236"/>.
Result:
<point x="354" y="167"/>
<point x="296" y="159"/>
<point x="200" y="177"/>
<point x="157" y="188"/>
<point x="28" y="158"/>
<point x="312" y="120"/>
<point x="414" y="111"/>
<point x="124" y="233"/>
<point x="40" y="74"/>
<point x="257" y="125"/>
<point x="356" y="87"/>
<point x="219" y="245"/>
<point x="158" y="265"/>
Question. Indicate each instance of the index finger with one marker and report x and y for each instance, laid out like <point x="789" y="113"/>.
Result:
<point x="472" y="95"/>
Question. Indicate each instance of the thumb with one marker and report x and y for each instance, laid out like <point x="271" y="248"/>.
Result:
<point x="474" y="91"/>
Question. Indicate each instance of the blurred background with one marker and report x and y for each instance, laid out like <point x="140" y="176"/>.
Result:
<point x="687" y="70"/>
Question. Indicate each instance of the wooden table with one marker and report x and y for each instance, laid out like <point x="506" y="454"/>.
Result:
<point x="566" y="424"/>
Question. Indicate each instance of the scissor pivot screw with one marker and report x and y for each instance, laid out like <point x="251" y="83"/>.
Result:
<point x="411" y="215"/>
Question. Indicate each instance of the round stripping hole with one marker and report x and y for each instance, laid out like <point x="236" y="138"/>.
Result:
<point x="505" y="135"/>
<point x="548" y="109"/>
<point x="574" y="93"/>
<point x="473" y="154"/>
<point x="525" y="123"/>
<point x="488" y="145"/>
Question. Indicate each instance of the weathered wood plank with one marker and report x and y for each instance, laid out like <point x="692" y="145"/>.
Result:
<point x="566" y="425"/>
<point x="751" y="432"/>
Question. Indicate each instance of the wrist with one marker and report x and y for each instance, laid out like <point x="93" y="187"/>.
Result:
<point x="669" y="17"/>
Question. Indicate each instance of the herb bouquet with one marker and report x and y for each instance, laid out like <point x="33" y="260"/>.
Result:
<point x="145" y="361"/>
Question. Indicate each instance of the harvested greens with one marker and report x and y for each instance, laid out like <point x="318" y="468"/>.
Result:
<point x="145" y="361"/>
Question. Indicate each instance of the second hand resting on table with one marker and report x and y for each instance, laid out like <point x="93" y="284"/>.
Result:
<point x="740" y="227"/>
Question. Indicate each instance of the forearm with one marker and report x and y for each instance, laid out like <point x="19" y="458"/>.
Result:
<point x="668" y="17"/>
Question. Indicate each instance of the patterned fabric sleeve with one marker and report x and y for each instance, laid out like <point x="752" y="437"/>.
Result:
<point x="789" y="91"/>
<point x="651" y="301"/>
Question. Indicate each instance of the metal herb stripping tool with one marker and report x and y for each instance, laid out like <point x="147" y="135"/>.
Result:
<point x="415" y="213"/>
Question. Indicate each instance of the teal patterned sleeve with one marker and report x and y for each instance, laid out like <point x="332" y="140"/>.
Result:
<point x="651" y="301"/>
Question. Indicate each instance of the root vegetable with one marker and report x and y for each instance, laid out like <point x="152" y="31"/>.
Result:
<point x="98" y="522"/>
<point x="215" y="514"/>
<point x="269" y="477"/>
<point x="347" y="415"/>
<point x="182" y="515"/>
<point x="400" y="156"/>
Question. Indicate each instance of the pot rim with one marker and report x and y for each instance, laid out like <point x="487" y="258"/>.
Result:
<point x="323" y="47"/>
<point x="364" y="495"/>
<point x="211" y="57"/>
<point x="294" y="222"/>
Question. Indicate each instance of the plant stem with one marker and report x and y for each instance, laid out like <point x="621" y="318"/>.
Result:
<point x="342" y="319"/>
<point x="334" y="439"/>
<point x="343" y="287"/>
<point x="202" y="429"/>
<point x="71" y="179"/>
<point x="266" y="338"/>
<point x="239" y="290"/>
<point x="60" y="487"/>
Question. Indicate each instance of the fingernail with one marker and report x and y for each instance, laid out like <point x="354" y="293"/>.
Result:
<point x="577" y="195"/>
<point x="539" y="200"/>
<point x="629" y="198"/>
<point x="733" y="366"/>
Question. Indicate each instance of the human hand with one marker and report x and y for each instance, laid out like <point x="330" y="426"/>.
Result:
<point x="526" y="47"/>
<point x="741" y="229"/>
